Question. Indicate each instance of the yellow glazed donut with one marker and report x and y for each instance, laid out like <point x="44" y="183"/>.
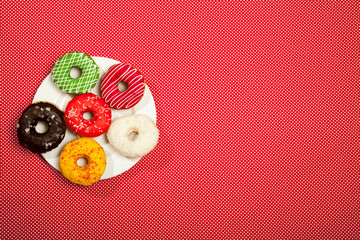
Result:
<point x="82" y="148"/>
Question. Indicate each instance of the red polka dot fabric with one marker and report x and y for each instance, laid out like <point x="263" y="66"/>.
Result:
<point x="257" y="106"/>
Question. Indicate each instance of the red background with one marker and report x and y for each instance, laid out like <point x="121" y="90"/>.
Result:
<point x="257" y="105"/>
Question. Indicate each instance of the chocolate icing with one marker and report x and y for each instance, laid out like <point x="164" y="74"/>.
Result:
<point x="41" y="142"/>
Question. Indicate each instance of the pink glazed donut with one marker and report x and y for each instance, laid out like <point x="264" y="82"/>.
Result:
<point x="131" y="77"/>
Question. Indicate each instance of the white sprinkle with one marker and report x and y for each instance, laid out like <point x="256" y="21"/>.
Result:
<point x="27" y="130"/>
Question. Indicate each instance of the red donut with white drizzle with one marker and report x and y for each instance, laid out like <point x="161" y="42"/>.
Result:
<point x="131" y="77"/>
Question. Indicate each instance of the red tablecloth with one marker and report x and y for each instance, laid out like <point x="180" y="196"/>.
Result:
<point x="257" y="105"/>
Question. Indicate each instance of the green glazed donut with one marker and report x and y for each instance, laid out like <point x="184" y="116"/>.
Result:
<point x="84" y="83"/>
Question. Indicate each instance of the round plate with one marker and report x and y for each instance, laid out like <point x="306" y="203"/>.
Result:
<point x="115" y="162"/>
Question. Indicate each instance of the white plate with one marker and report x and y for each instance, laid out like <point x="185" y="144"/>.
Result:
<point x="115" y="162"/>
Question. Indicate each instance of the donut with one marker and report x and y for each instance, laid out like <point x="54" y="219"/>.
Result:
<point x="131" y="77"/>
<point x="82" y="148"/>
<point x="41" y="142"/>
<point x="89" y="73"/>
<point x="88" y="102"/>
<point x="133" y="135"/>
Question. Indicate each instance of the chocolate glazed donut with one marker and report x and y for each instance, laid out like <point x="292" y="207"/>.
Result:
<point x="41" y="142"/>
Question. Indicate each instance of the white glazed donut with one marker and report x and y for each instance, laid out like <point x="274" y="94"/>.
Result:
<point x="133" y="135"/>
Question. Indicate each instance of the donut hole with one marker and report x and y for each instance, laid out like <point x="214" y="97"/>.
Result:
<point x="123" y="86"/>
<point x="133" y="135"/>
<point x="75" y="72"/>
<point x="88" y="115"/>
<point x="41" y="127"/>
<point x="82" y="162"/>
